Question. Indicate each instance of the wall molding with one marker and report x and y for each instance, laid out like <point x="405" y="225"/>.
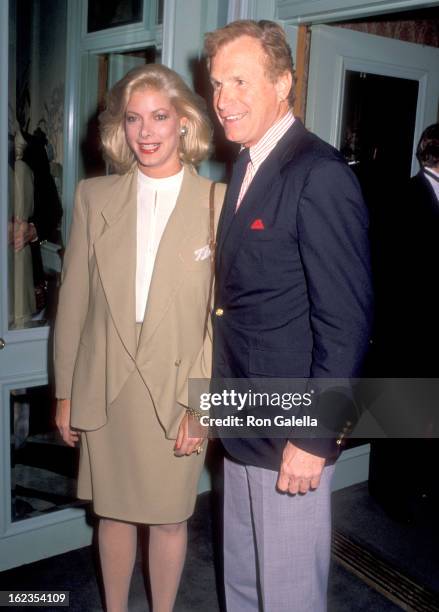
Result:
<point x="352" y="467"/>
<point x="71" y="113"/>
<point x="168" y="41"/>
<point x="53" y="539"/>
<point x="325" y="11"/>
<point x="251" y="9"/>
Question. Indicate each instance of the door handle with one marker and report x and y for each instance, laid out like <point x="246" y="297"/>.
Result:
<point x="2" y="344"/>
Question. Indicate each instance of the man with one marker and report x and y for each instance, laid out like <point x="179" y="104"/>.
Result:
<point x="292" y="300"/>
<point x="423" y="190"/>
<point x="410" y="330"/>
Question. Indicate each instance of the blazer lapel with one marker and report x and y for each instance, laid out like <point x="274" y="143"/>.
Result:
<point x="257" y="196"/>
<point x="116" y="257"/>
<point x="233" y="190"/>
<point x="169" y="268"/>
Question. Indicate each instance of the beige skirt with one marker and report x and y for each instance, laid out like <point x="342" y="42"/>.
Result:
<point x="128" y="468"/>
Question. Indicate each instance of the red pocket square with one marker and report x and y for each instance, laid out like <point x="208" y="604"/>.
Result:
<point x="257" y="224"/>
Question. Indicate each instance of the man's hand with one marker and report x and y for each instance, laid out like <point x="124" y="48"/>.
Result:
<point x="300" y="471"/>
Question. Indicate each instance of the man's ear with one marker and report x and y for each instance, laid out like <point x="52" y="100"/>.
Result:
<point x="283" y="85"/>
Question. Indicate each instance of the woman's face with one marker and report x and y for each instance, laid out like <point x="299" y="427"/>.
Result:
<point x="152" y="129"/>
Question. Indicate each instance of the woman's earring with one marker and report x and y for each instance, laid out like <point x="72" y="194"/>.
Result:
<point x="183" y="130"/>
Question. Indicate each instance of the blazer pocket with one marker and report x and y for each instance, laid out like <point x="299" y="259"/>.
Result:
<point x="266" y="235"/>
<point x="195" y="253"/>
<point x="279" y="363"/>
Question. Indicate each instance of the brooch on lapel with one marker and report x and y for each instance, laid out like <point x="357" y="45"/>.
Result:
<point x="257" y="224"/>
<point x="202" y="253"/>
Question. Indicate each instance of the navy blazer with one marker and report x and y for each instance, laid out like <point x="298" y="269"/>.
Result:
<point x="293" y="299"/>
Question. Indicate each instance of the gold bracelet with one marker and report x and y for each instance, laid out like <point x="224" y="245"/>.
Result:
<point x="193" y="412"/>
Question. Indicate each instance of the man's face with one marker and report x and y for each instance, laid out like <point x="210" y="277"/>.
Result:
<point x="246" y="101"/>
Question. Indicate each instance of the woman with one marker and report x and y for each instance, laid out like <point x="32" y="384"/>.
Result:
<point x="130" y="327"/>
<point x="24" y="290"/>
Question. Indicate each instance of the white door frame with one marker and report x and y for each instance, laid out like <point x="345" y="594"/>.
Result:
<point x="335" y="50"/>
<point x="297" y="12"/>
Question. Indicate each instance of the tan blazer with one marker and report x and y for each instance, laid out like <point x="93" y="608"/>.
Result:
<point x="95" y="333"/>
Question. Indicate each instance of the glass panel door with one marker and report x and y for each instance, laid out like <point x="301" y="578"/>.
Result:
<point x="103" y="71"/>
<point x="37" y="58"/>
<point x="48" y="138"/>
<point x="378" y="126"/>
<point x="37" y="470"/>
<point x="43" y="468"/>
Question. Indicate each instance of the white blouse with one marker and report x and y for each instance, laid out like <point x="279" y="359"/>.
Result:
<point x="156" y="199"/>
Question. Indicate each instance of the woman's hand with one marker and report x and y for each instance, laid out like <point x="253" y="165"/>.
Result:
<point x="62" y="420"/>
<point x="24" y="233"/>
<point x="185" y="444"/>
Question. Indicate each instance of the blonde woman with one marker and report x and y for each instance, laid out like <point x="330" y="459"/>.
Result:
<point x="130" y="327"/>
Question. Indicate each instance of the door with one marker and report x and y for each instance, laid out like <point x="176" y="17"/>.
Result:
<point x="340" y="58"/>
<point x="100" y="70"/>
<point x="120" y="64"/>
<point x="371" y="97"/>
<point x="55" y="92"/>
<point x="39" y="513"/>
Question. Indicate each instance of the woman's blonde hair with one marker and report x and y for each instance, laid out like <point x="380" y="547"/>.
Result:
<point x="194" y="144"/>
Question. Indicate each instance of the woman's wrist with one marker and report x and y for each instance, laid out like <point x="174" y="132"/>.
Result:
<point x="63" y="400"/>
<point x="194" y="412"/>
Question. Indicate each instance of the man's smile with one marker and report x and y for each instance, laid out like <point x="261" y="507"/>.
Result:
<point x="233" y="118"/>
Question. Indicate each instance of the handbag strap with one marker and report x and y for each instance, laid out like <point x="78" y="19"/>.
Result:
<point x="212" y="242"/>
<point x="212" y="247"/>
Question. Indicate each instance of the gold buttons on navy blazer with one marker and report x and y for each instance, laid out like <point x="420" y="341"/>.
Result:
<point x="346" y="430"/>
<point x="219" y="312"/>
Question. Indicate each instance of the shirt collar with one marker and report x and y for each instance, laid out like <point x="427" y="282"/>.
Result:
<point x="161" y="184"/>
<point x="269" y="140"/>
<point x="430" y="171"/>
